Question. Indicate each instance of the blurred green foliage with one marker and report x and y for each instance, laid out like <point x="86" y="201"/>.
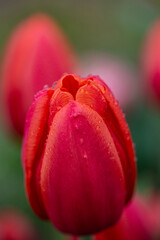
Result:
<point x="116" y="27"/>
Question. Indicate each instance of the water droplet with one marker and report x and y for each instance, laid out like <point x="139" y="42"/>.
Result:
<point x="76" y="126"/>
<point x="75" y="115"/>
<point x="116" y="102"/>
<point x="85" y="156"/>
<point x="54" y="84"/>
<point x="82" y="91"/>
<point x="81" y="140"/>
<point x="98" y="127"/>
<point x="58" y="108"/>
<point x="45" y="86"/>
<point x="103" y="90"/>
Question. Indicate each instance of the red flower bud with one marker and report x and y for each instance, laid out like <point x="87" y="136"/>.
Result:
<point x="36" y="54"/>
<point x="15" y="226"/>
<point x="150" y="60"/>
<point x="78" y="156"/>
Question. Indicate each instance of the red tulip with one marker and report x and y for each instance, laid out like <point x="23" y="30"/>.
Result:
<point x="150" y="59"/>
<point x="15" y="226"/>
<point x="78" y="156"/>
<point x="37" y="53"/>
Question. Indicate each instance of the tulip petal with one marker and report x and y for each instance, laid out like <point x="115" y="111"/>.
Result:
<point x="92" y="96"/>
<point x="69" y="83"/>
<point x="82" y="178"/>
<point x="47" y="103"/>
<point x="58" y="100"/>
<point x="115" y="120"/>
<point x="35" y="136"/>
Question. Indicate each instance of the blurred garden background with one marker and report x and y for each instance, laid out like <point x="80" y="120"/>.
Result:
<point x="115" y="28"/>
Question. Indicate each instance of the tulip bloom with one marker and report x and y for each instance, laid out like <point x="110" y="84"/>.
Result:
<point x="78" y="156"/>
<point x="15" y="226"/>
<point x="37" y="53"/>
<point x="150" y="59"/>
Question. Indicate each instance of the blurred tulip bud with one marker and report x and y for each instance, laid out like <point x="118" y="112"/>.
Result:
<point x="37" y="53"/>
<point x="78" y="156"/>
<point x="119" y="75"/>
<point x="137" y="222"/>
<point x="150" y="60"/>
<point x="15" y="226"/>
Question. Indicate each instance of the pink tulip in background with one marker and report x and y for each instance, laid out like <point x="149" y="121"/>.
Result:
<point x="150" y="61"/>
<point x="133" y="224"/>
<point x="120" y="76"/>
<point x="154" y="203"/>
<point x="15" y="226"/>
<point x="37" y="54"/>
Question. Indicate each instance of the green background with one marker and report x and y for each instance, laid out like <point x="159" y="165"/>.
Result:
<point x="116" y="27"/>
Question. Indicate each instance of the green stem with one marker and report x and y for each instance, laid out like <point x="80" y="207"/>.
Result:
<point x="86" y="238"/>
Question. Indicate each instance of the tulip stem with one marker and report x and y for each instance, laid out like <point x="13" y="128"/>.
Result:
<point x="86" y="238"/>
